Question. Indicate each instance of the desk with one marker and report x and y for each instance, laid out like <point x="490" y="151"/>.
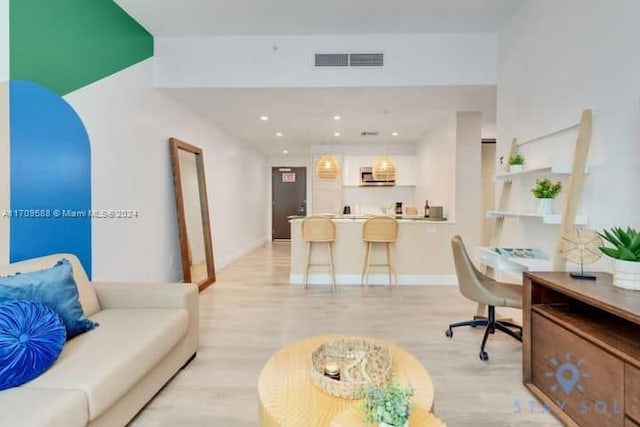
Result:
<point x="288" y="398"/>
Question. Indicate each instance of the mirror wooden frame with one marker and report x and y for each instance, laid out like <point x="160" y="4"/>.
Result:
<point x="175" y="146"/>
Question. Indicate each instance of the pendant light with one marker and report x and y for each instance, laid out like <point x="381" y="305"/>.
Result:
<point x="327" y="168"/>
<point x="384" y="167"/>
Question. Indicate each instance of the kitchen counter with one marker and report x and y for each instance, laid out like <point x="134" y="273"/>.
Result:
<point x="422" y="253"/>
<point x="399" y="218"/>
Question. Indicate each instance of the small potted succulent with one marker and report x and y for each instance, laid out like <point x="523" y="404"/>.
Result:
<point x="516" y="163"/>
<point x="390" y="406"/>
<point x="545" y="191"/>
<point x="626" y="256"/>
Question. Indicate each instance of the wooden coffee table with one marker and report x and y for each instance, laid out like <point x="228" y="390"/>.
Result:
<point x="288" y="398"/>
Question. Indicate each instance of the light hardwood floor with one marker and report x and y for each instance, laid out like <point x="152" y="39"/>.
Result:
<point x="252" y="311"/>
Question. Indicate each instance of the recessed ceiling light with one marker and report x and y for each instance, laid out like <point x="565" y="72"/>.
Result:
<point x="278" y="133"/>
<point x="285" y="151"/>
<point x="336" y="134"/>
<point x="264" y="118"/>
<point x="394" y="133"/>
<point x="336" y="117"/>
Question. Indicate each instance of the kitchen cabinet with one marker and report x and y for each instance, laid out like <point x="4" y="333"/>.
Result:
<point x="351" y="169"/>
<point x="406" y="166"/>
<point x="406" y="174"/>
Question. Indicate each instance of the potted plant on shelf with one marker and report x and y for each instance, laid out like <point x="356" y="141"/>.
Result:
<point x="545" y="191"/>
<point x="516" y="163"/>
<point x="390" y="406"/>
<point x="626" y="256"/>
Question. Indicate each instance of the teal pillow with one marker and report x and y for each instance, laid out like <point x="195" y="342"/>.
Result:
<point x="53" y="287"/>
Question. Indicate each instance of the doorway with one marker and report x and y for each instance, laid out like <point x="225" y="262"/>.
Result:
<point x="289" y="197"/>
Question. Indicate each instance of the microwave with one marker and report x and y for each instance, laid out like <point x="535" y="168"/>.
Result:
<point x="367" y="179"/>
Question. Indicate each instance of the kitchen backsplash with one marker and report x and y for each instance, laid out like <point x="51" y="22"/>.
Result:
<point x="371" y="199"/>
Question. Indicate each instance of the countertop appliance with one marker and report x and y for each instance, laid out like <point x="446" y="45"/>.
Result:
<point x="436" y="213"/>
<point x="367" y="179"/>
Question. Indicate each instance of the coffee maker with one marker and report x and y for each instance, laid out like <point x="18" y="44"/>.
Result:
<point x="398" y="208"/>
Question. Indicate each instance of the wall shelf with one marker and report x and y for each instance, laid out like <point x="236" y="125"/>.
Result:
<point x="544" y="170"/>
<point x="546" y="219"/>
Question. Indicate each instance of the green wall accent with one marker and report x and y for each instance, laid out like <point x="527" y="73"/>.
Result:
<point x="67" y="44"/>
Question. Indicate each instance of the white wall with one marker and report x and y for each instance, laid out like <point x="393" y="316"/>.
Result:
<point x="252" y="61"/>
<point x="488" y="159"/>
<point x="437" y="168"/>
<point x="129" y="124"/>
<point x="556" y="58"/>
<point x="450" y="174"/>
<point x="4" y="130"/>
<point x="469" y="205"/>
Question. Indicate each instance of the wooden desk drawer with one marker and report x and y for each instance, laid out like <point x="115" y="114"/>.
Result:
<point x="586" y="382"/>
<point x="632" y="392"/>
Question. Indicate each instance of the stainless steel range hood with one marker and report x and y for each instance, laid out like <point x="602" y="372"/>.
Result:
<point x="367" y="179"/>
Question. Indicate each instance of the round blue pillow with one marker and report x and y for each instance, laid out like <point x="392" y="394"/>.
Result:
<point x="31" y="339"/>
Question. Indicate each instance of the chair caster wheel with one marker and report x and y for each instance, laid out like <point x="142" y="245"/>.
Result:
<point x="484" y="356"/>
<point x="448" y="333"/>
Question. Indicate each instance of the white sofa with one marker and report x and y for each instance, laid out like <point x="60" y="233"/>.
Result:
<point x="104" y="377"/>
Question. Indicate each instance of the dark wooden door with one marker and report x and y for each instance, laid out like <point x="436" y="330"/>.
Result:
<point x="289" y="190"/>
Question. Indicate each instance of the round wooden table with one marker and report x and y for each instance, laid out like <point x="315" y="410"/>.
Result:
<point x="288" y="398"/>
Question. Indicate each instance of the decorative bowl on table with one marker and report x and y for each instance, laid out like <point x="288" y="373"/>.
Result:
<point x="361" y="363"/>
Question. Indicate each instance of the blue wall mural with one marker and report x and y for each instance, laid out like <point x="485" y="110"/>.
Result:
<point x="50" y="174"/>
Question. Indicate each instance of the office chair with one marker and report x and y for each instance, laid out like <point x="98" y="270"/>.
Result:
<point x="485" y="290"/>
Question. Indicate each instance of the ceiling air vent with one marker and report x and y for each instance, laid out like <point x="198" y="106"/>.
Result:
<point x="368" y="133"/>
<point x="349" y="59"/>
<point x="366" y="59"/>
<point x="332" y="60"/>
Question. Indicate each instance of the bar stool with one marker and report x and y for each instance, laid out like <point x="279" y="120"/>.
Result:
<point x="316" y="229"/>
<point x="379" y="229"/>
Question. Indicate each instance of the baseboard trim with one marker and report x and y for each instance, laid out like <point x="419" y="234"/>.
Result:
<point x="375" y="279"/>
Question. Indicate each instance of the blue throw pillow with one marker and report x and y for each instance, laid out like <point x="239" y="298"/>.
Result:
<point x="55" y="288"/>
<point x="31" y="338"/>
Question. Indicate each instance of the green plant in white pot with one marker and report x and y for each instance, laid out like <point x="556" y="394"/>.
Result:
<point x="390" y="406"/>
<point x="516" y="163"/>
<point x="545" y="191"/>
<point x="626" y="256"/>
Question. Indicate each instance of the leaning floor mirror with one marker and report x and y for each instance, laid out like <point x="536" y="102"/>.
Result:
<point x="193" y="213"/>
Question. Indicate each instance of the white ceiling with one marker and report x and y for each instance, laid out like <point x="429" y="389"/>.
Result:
<point x="305" y="115"/>
<point x="298" y="17"/>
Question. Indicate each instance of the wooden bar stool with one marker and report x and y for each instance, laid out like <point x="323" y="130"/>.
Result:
<point x="317" y="229"/>
<point x="380" y="229"/>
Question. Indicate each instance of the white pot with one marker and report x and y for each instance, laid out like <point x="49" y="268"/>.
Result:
<point x="626" y="274"/>
<point x="516" y="168"/>
<point x="406" y="424"/>
<point x="545" y="206"/>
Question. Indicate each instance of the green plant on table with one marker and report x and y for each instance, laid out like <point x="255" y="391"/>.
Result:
<point x="516" y="159"/>
<point x="391" y="405"/>
<point x="545" y="189"/>
<point x="626" y="244"/>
